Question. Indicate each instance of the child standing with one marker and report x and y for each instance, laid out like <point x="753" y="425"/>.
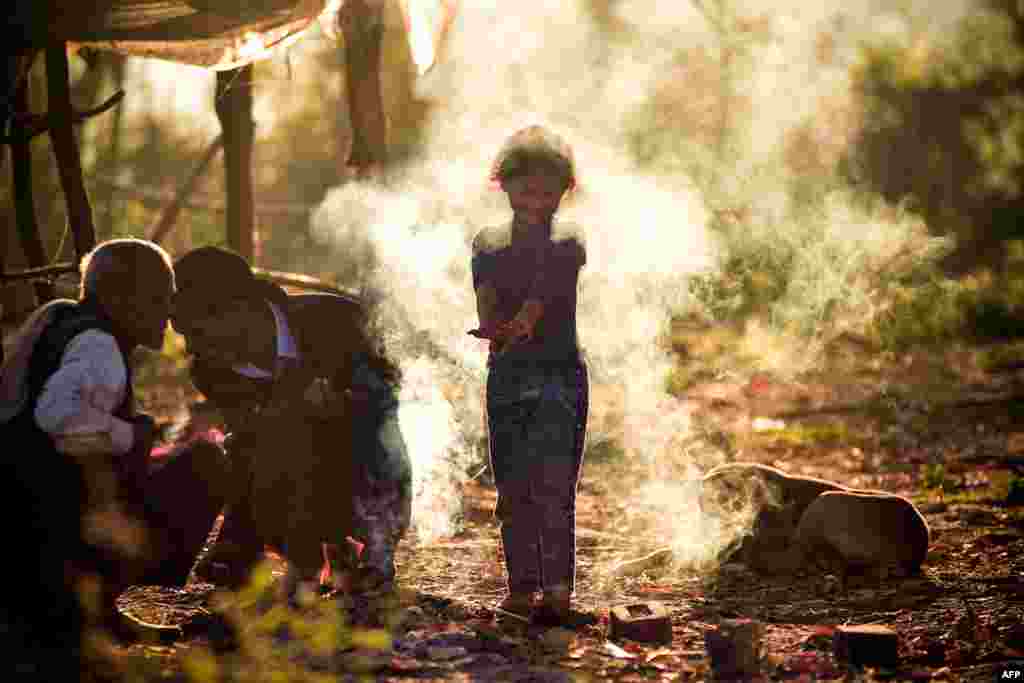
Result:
<point x="525" y="275"/>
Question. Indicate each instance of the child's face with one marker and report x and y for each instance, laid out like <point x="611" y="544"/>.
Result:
<point x="535" y="197"/>
<point x="143" y="312"/>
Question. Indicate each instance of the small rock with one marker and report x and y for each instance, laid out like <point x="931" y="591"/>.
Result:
<point x="406" y="644"/>
<point x="645" y="622"/>
<point x="733" y="570"/>
<point x="977" y="516"/>
<point x="918" y="586"/>
<point x="933" y="508"/>
<point x="558" y="639"/>
<point x="767" y="424"/>
<point x="936" y="653"/>
<point x="735" y="647"/>
<point x="441" y="654"/>
<point x="362" y="661"/>
<point x="997" y="539"/>
<point x="412" y="616"/>
<point x="490" y="659"/>
<point x="868" y="645"/>
<point x="829" y="584"/>
<point x="1015" y="637"/>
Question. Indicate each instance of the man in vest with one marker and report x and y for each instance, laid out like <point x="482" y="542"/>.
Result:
<point x="80" y="487"/>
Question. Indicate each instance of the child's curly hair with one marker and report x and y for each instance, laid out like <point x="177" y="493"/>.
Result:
<point x="531" y="149"/>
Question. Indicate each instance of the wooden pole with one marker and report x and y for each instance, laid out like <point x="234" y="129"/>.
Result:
<point x="45" y="273"/>
<point x="362" y="23"/>
<point x="300" y="281"/>
<point x="234" y="110"/>
<point x="170" y="214"/>
<point x="24" y="202"/>
<point x="65" y="149"/>
<point x="117" y="63"/>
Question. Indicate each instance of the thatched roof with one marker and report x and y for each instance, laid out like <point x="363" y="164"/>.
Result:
<point x="217" y="34"/>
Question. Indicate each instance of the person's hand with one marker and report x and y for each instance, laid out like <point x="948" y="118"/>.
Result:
<point x="89" y="430"/>
<point x="517" y="330"/>
<point x="522" y="327"/>
<point x="144" y="431"/>
<point x="496" y="334"/>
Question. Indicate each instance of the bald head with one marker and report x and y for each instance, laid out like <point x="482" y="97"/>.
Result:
<point x="122" y="263"/>
<point x="132" y="280"/>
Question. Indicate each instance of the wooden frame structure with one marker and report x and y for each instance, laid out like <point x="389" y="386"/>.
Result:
<point x="361" y="22"/>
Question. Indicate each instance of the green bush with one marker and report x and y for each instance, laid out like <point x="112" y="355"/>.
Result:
<point x="1015" y="494"/>
<point x="937" y="310"/>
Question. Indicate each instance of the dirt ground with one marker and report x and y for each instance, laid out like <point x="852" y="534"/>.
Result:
<point x="936" y="429"/>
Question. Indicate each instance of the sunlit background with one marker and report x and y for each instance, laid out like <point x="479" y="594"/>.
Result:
<point x="734" y="170"/>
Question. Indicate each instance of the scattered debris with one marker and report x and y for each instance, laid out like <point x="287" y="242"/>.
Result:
<point x="659" y="559"/>
<point x="616" y="651"/>
<point x="767" y="424"/>
<point x="445" y="653"/>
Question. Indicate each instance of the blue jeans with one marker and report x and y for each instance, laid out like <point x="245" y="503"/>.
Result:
<point x="536" y="422"/>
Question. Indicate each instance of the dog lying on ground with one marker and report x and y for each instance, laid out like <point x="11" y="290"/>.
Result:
<point x="802" y="523"/>
<point x="776" y="500"/>
<point x="789" y="524"/>
<point x="844" y="533"/>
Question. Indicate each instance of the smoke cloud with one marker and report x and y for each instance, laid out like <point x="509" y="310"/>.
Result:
<point x="547" y="61"/>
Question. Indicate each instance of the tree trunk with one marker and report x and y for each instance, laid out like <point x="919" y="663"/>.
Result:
<point x="362" y="22"/>
<point x="234" y="110"/>
<point x="65" y="149"/>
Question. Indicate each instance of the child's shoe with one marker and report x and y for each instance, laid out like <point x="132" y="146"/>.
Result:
<point x="554" y="607"/>
<point x="516" y="606"/>
<point x="371" y="580"/>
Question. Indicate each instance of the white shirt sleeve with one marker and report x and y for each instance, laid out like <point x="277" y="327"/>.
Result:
<point x="77" y="403"/>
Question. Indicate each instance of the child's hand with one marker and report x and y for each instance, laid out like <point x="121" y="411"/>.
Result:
<point x="517" y="330"/>
<point x="522" y="327"/>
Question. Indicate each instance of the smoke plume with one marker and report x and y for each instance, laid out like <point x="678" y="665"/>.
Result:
<point x="509" y="65"/>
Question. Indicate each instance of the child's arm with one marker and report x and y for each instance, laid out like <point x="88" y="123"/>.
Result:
<point x="486" y="306"/>
<point x="486" y="296"/>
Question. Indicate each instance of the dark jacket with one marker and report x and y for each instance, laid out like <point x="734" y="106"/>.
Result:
<point x="300" y="465"/>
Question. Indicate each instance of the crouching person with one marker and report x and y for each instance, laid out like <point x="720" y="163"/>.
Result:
<point x="309" y="401"/>
<point x="80" y="485"/>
